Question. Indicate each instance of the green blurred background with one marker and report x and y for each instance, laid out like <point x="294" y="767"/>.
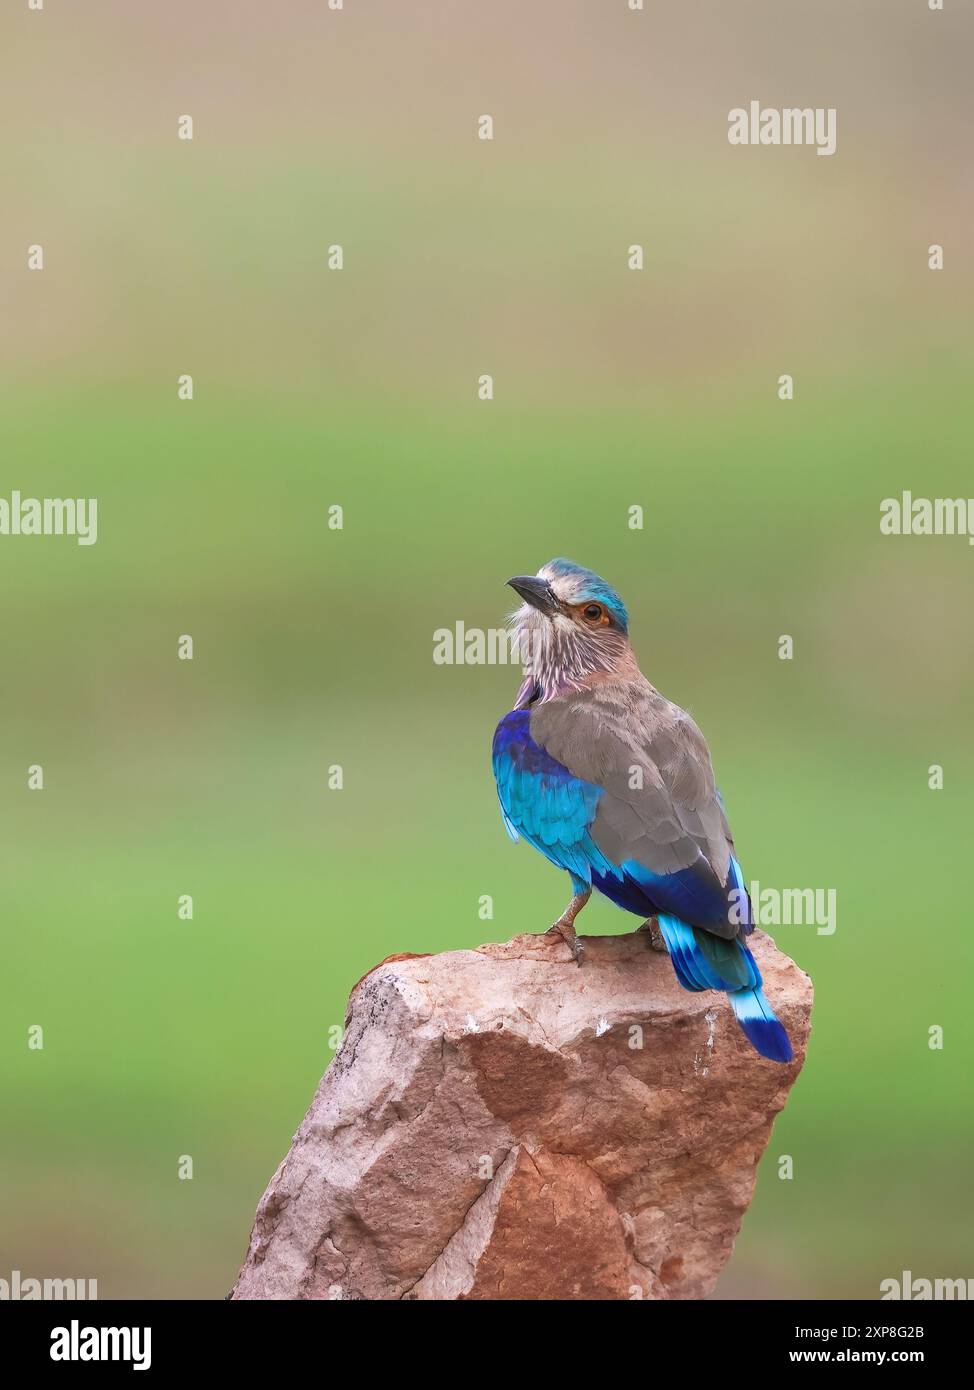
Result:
<point x="313" y="647"/>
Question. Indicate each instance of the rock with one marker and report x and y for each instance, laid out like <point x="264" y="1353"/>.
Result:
<point x="502" y="1124"/>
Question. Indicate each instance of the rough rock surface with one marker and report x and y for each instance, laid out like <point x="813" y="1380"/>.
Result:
<point x="501" y="1124"/>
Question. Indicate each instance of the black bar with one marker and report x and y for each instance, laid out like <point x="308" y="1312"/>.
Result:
<point x="257" y="1338"/>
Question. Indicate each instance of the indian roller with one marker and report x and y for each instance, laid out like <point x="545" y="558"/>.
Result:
<point x="613" y="783"/>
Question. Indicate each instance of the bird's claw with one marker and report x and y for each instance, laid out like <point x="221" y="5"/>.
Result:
<point x="652" y="930"/>
<point x="567" y="933"/>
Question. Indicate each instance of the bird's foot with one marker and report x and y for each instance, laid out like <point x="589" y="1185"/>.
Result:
<point x="652" y="930"/>
<point x="565" y="928"/>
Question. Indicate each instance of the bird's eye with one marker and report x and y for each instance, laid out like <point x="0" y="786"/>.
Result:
<point x="592" y="612"/>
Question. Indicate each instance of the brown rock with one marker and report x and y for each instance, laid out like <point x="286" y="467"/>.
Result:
<point x="501" y="1124"/>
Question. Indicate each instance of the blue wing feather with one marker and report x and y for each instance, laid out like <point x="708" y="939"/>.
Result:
<point x="545" y="803"/>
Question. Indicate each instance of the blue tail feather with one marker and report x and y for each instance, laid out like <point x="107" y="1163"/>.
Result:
<point x="761" y="1027"/>
<point x="705" y="962"/>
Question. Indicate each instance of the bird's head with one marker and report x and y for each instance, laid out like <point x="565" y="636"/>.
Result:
<point x="571" y="627"/>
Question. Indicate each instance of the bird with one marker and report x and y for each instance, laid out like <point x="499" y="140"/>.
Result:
<point x="614" y="783"/>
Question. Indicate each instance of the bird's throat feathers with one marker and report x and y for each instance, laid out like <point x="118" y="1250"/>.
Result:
<point x="558" y="656"/>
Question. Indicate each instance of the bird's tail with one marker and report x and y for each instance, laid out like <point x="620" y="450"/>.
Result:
<point x="761" y="1027"/>
<point x="704" y="961"/>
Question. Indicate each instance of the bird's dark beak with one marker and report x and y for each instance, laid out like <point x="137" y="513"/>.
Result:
<point x="537" y="592"/>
